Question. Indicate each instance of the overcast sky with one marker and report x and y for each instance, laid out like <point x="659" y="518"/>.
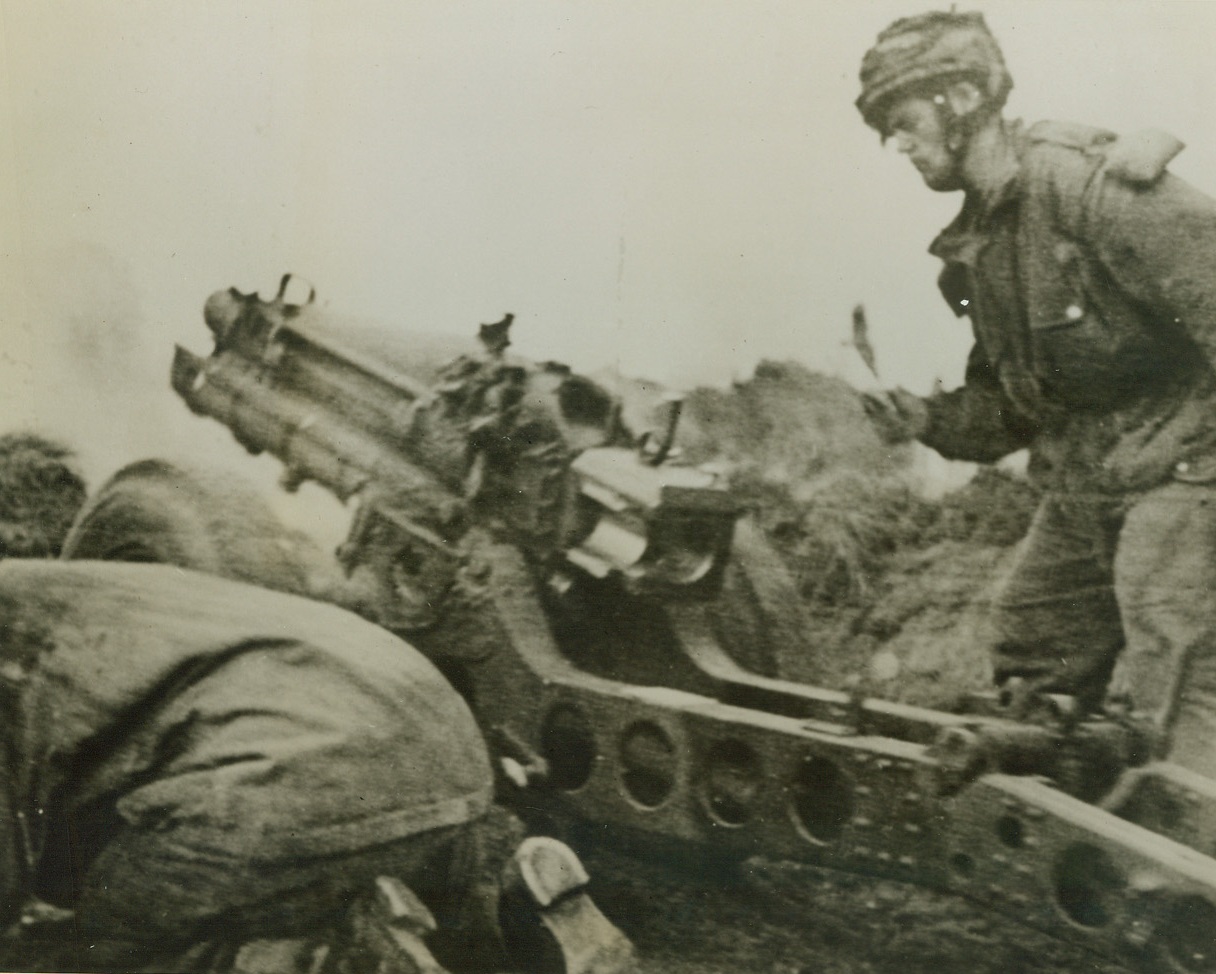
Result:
<point x="677" y="188"/>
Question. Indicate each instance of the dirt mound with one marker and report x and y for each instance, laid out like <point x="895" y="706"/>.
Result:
<point x="917" y="630"/>
<point x="784" y="425"/>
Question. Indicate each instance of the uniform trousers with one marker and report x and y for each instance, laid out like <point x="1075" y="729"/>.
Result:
<point x="1118" y="594"/>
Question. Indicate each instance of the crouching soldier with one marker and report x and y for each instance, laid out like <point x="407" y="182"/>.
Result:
<point x="198" y="775"/>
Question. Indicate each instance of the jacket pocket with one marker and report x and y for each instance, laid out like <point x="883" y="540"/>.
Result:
<point x="1091" y="346"/>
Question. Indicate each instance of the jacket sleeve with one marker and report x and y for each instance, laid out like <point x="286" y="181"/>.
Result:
<point x="1158" y="242"/>
<point x="977" y="421"/>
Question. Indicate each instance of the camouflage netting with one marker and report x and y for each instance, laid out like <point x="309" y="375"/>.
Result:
<point x="41" y="490"/>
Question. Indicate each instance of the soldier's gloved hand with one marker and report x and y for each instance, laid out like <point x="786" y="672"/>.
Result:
<point x="898" y="415"/>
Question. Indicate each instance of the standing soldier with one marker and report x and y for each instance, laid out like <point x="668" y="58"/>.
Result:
<point x="1089" y="275"/>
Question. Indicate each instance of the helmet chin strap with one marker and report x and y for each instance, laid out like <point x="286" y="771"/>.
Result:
<point x="958" y="128"/>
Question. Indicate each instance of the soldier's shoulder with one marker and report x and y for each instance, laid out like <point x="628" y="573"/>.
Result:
<point x="1137" y="158"/>
<point x="1069" y="135"/>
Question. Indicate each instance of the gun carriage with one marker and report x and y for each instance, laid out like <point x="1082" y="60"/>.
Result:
<point x="617" y="626"/>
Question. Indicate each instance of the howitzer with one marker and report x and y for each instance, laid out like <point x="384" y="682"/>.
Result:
<point x="617" y="626"/>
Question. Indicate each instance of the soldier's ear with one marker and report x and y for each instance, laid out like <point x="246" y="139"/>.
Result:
<point x="963" y="97"/>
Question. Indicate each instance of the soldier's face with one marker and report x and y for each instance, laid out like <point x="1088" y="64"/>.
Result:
<point x="916" y="126"/>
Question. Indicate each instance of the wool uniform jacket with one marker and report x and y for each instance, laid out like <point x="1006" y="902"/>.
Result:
<point x="1090" y="282"/>
<point x="244" y="725"/>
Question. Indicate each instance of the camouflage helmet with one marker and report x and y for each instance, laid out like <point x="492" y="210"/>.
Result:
<point x="931" y="47"/>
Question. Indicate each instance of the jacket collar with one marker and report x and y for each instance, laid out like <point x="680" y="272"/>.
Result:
<point x="962" y="239"/>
